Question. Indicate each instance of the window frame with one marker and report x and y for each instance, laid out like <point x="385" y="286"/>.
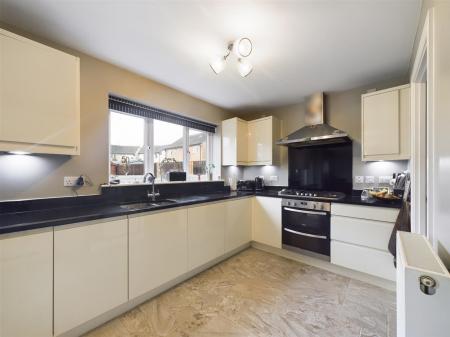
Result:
<point x="149" y="147"/>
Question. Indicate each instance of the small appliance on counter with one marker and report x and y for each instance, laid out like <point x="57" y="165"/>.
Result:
<point x="246" y="185"/>
<point x="177" y="176"/>
<point x="259" y="184"/>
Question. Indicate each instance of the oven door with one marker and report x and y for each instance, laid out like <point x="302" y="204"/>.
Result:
<point x="306" y="229"/>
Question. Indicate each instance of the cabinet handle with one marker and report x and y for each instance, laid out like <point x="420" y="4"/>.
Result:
<point x="302" y="211"/>
<point x="322" y="237"/>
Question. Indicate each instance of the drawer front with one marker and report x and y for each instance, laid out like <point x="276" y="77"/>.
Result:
<point x="369" y="233"/>
<point x="365" y="212"/>
<point x="366" y="260"/>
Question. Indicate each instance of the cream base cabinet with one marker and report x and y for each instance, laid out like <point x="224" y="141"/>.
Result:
<point x="26" y="284"/>
<point x="91" y="271"/>
<point x="157" y="248"/>
<point x="386" y="124"/>
<point x="360" y="237"/>
<point x="238" y="227"/>
<point x="39" y="97"/>
<point x="267" y="227"/>
<point x="206" y="233"/>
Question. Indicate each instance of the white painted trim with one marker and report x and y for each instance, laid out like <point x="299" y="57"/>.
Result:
<point x="423" y="171"/>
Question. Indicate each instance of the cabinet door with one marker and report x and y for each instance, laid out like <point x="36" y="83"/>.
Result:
<point x="260" y="141"/>
<point x="267" y="221"/>
<point x="238" y="228"/>
<point x="229" y="142"/>
<point x="26" y="285"/>
<point x="234" y="142"/>
<point x="242" y="141"/>
<point x="381" y="128"/>
<point x="39" y="86"/>
<point x="206" y="233"/>
<point x="91" y="271"/>
<point x="158" y="249"/>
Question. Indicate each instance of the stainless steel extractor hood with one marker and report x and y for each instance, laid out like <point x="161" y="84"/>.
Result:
<point x="316" y="132"/>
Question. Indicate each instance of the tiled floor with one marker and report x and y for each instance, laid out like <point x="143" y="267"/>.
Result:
<point x="260" y="294"/>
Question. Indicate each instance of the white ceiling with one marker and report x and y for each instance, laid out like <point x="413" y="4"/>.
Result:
<point x="299" y="46"/>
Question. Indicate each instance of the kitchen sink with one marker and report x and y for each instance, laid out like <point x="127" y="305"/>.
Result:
<point x="140" y="205"/>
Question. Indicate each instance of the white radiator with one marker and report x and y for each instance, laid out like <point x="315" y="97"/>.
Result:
<point x="423" y="289"/>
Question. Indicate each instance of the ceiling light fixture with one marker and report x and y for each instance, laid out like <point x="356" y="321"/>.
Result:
<point x="242" y="48"/>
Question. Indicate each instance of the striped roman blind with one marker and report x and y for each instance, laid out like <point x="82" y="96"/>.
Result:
<point x="125" y="105"/>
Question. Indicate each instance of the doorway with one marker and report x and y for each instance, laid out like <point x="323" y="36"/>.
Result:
<point x="422" y="163"/>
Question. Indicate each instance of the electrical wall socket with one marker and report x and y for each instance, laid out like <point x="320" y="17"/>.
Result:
<point x="71" y="181"/>
<point x="273" y="178"/>
<point x="370" y="179"/>
<point x="359" y="179"/>
<point x="384" y="179"/>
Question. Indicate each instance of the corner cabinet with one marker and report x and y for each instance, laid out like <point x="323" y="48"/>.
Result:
<point x="39" y="97"/>
<point x="267" y="227"/>
<point x="262" y="135"/>
<point x="234" y="142"/>
<point x="250" y="143"/>
<point x="386" y="124"/>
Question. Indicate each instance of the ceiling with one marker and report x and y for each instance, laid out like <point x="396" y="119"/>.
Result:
<point x="300" y="47"/>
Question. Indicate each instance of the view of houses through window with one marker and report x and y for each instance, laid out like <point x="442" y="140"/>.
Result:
<point x="139" y="145"/>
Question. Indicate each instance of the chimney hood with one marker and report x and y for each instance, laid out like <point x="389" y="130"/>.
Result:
<point x="316" y="132"/>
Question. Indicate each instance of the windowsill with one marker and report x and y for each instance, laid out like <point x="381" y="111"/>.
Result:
<point x="162" y="183"/>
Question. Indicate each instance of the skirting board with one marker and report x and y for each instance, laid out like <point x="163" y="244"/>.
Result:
<point x="127" y="306"/>
<point x="376" y="281"/>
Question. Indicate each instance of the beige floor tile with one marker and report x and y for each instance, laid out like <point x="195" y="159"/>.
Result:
<point x="257" y="294"/>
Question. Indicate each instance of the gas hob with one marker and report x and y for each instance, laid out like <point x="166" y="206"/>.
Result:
<point x="308" y="194"/>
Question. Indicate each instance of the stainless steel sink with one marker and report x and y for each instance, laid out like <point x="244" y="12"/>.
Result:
<point x="140" y="205"/>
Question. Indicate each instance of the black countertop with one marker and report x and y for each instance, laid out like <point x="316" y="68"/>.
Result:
<point x="34" y="214"/>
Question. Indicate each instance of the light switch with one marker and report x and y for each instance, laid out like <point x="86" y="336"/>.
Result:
<point x="359" y="179"/>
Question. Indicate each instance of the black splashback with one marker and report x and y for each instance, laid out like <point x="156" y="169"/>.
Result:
<point x="323" y="168"/>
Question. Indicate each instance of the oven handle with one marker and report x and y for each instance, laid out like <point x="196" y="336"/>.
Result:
<point x="302" y="211"/>
<point x="322" y="237"/>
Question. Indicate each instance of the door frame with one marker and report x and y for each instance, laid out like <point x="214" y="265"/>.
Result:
<point x="423" y="183"/>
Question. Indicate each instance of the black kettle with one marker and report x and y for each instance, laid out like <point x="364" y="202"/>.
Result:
<point x="259" y="183"/>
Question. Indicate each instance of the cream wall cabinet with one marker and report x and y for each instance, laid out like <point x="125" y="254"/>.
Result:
<point x="360" y="237"/>
<point x="266" y="227"/>
<point x="39" y="97"/>
<point x="262" y="135"/>
<point x="234" y="142"/>
<point x="206" y="233"/>
<point x="386" y="124"/>
<point x="238" y="227"/>
<point x="91" y="271"/>
<point x="26" y="284"/>
<point x="250" y="143"/>
<point x="157" y="249"/>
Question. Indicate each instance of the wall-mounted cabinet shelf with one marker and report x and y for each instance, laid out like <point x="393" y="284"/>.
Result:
<point x="39" y="97"/>
<point x="250" y="142"/>
<point x="386" y="125"/>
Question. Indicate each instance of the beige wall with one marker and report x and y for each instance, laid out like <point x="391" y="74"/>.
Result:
<point x="343" y="111"/>
<point x="23" y="177"/>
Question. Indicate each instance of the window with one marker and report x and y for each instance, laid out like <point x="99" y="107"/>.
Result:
<point x="168" y="146"/>
<point x="127" y="145"/>
<point x="140" y="144"/>
<point x="198" y="154"/>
